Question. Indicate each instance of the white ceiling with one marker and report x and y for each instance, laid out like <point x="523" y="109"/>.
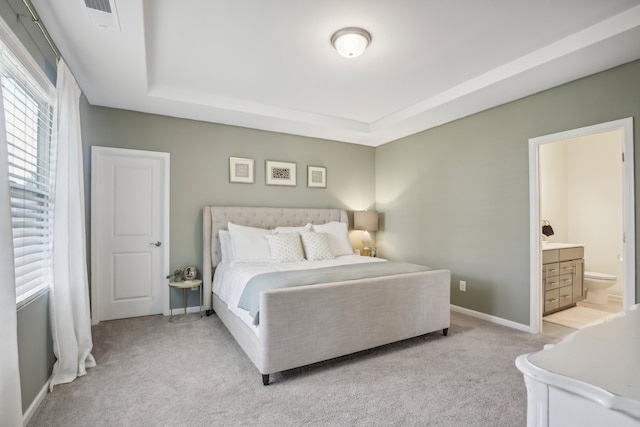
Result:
<point x="269" y="64"/>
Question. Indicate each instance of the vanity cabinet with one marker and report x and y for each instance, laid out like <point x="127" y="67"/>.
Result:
<point x="562" y="278"/>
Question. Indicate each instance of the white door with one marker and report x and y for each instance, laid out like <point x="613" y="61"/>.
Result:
<point x="129" y="233"/>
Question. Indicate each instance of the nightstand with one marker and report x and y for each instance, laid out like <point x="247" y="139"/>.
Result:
<point x="187" y="284"/>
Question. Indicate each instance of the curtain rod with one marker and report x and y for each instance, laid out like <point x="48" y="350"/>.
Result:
<point x="43" y="30"/>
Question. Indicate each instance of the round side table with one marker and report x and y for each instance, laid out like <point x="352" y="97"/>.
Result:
<point x="187" y="284"/>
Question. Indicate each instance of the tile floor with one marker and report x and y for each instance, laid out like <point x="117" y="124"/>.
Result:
<point x="560" y="331"/>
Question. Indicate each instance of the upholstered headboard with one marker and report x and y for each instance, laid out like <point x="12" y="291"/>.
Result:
<point x="215" y="218"/>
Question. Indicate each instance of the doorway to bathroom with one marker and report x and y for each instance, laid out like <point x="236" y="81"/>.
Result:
<point x="582" y="207"/>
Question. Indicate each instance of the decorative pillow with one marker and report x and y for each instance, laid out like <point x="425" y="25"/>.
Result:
<point x="226" y="250"/>
<point x="316" y="245"/>
<point x="338" y="237"/>
<point x="248" y="243"/>
<point x="285" y="247"/>
<point x="279" y="230"/>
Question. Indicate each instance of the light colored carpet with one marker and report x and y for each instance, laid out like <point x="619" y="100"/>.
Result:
<point x="578" y="317"/>
<point x="153" y="373"/>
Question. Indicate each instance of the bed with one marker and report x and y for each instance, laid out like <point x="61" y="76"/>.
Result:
<point x="301" y="325"/>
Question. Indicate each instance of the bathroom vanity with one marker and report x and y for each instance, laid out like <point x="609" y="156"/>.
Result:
<point x="590" y="378"/>
<point x="562" y="276"/>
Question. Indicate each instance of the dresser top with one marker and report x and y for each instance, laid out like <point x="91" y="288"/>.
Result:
<point x="606" y="355"/>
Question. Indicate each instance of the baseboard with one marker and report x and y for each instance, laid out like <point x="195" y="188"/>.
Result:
<point x="615" y="298"/>
<point x="180" y="310"/>
<point x="490" y="318"/>
<point x="26" y="417"/>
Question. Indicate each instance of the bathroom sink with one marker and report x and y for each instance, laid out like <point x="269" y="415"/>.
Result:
<point x="553" y="245"/>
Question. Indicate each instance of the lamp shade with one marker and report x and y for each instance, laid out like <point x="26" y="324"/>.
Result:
<point x="365" y="220"/>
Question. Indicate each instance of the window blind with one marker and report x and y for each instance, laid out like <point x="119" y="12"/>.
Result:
<point x="29" y="109"/>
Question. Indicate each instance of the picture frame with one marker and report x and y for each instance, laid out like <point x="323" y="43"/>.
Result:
<point x="280" y="173"/>
<point x="241" y="170"/>
<point x="316" y="177"/>
<point x="190" y="272"/>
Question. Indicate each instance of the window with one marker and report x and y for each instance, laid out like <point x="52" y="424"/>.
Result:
<point x="28" y="109"/>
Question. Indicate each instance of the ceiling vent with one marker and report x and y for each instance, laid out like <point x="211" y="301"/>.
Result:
<point x="103" y="13"/>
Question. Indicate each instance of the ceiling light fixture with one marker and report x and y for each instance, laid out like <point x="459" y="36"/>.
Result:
<point x="351" y="42"/>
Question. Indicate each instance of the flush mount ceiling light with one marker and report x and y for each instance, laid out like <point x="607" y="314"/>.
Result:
<point x="351" y="42"/>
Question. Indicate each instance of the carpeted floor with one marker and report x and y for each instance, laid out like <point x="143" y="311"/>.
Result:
<point x="151" y="372"/>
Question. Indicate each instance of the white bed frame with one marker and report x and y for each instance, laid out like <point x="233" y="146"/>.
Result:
<point x="308" y="324"/>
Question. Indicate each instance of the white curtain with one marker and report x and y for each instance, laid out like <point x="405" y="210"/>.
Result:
<point x="10" y="394"/>
<point x="70" y="313"/>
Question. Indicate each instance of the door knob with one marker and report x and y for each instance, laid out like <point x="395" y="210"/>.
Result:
<point x="158" y="243"/>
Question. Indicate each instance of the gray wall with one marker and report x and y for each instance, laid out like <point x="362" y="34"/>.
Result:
<point x="200" y="170"/>
<point x="457" y="196"/>
<point x="35" y="345"/>
<point x="35" y="348"/>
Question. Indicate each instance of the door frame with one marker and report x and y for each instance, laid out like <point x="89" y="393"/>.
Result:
<point x="628" y="213"/>
<point x="165" y="158"/>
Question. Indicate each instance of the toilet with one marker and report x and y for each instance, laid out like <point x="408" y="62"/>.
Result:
<point x="597" y="285"/>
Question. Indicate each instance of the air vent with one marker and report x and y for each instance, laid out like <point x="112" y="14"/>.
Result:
<point x="102" y="5"/>
<point x="103" y="13"/>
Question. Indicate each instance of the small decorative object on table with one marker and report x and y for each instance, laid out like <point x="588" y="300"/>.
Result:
<point x="190" y="272"/>
<point x="176" y="276"/>
<point x="373" y="252"/>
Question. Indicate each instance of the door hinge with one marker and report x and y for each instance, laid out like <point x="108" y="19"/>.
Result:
<point x="623" y="156"/>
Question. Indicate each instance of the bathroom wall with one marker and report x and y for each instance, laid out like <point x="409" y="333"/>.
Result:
<point x="581" y="195"/>
<point x="554" y="186"/>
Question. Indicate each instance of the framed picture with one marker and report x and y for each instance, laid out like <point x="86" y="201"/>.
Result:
<point x="241" y="170"/>
<point x="281" y="173"/>
<point x="190" y="272"/>
<point x="316" y="177"/>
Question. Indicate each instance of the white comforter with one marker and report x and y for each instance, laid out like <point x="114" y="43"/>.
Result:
<point x="230" y="279"/>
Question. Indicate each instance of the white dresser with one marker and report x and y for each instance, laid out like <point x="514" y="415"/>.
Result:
<point x="591" y="378"/>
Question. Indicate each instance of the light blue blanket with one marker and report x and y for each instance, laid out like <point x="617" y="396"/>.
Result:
<point x="250" y="299"/>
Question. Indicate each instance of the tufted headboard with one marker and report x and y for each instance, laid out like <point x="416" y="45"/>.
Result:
<point x="215" y="218"/>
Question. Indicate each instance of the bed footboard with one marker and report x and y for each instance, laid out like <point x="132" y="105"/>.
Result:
<point x="308" y="324"/>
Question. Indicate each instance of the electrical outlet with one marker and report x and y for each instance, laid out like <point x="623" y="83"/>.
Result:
<point x="463" y="286"/>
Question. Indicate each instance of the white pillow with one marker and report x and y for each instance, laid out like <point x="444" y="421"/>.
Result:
<point x="285" y="247"/>
<point x="279" y="230"/>
<point x="316" y="246"/>
<point x="249" y="244"/>
<point x="226" y="249"/>
<point x="338" y="237"/>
